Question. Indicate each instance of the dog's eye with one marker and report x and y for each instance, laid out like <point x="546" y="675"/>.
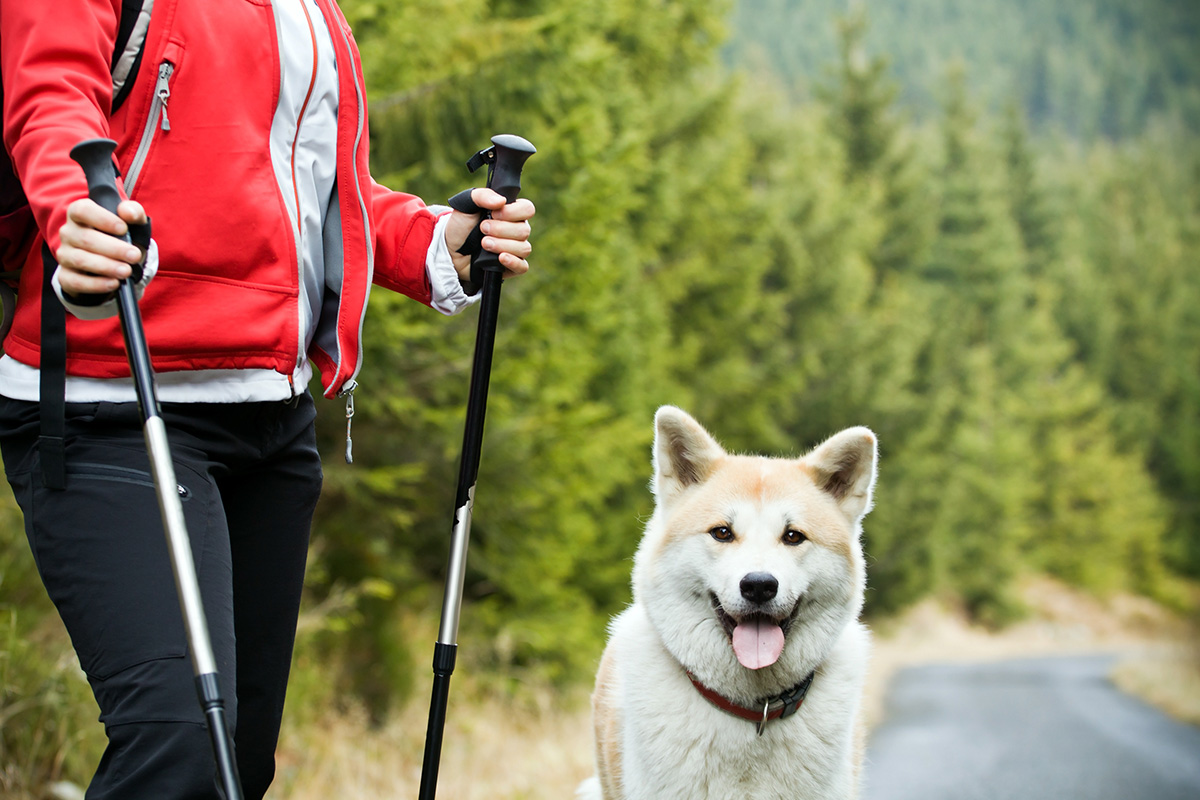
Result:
<point x="793" y="537"/>
<point x="721" y="534"/>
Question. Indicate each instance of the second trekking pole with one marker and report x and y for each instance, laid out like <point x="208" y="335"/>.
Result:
<point x="95" y="156"/>
<point x="504" y="159"/>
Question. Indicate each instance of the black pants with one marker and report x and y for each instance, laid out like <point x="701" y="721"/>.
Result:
<point x="249" y="476"/>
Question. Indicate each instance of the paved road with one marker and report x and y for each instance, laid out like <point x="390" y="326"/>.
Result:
<point x="1039" y="729"/>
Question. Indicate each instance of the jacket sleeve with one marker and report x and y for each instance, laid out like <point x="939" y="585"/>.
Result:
<point x="57" y="92"/>
<point x="403" y="232"/>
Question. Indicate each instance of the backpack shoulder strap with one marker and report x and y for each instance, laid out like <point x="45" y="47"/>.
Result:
<point x="127" y="52"/>
<point x="52" y="385"/>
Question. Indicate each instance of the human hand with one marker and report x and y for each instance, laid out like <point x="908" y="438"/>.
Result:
<point x="91" y="259"/>
<point x="506" y="233"/>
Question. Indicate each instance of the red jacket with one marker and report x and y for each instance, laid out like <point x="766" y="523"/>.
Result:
<point x="227" y="291"/>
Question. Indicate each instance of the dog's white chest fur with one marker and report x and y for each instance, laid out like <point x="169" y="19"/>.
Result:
<point x="749" y="578"/>
<point x="679" y="746"/>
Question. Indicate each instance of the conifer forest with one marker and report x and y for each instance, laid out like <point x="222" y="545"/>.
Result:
<point x="970" y="225"/>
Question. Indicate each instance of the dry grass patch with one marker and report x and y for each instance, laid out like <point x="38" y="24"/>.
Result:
<point x="492" y="749"/>
<point x="1168" y="679"/>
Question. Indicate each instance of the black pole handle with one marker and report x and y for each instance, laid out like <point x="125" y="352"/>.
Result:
<point x="505" y="159"/>
<point x="95" y="156"/>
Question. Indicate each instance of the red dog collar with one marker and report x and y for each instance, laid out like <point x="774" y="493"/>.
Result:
<point x="777" y="707"/>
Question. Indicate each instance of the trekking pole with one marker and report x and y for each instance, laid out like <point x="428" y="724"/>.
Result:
<point x="95" y="156"/>
<point x="504" y="159"/>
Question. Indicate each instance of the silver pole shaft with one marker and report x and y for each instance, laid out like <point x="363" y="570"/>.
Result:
<point x="182" y="564"/>
<point x="460" y="540"/>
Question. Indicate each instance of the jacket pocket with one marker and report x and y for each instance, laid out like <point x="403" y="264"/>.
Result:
<point x="158" y="119"/>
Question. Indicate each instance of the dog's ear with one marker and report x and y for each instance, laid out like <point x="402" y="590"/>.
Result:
<point x="844" y="466"/>
<point x="684" y="453"/>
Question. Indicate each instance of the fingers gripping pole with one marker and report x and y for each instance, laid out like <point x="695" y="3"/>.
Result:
<point x="95" y="157"/>
<point x="505" y="160"/>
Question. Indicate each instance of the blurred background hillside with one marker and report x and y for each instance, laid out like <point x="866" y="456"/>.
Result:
<point x="972" y="225"/>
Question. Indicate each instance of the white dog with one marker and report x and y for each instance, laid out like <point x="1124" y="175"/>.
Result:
<point x="738" y="669"/>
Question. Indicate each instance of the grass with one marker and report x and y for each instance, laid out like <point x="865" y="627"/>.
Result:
<point x="48" y="729"/>
<point x="492" y="749"/>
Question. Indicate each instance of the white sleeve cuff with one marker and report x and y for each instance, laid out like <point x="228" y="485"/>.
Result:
<point x="448" y="295"/>
<point x="109" y="308"/>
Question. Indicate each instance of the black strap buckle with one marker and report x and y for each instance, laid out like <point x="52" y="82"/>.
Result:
<point x="793" y="699"/>
<point x="52" y="387"/>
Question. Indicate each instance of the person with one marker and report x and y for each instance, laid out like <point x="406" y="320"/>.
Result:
<point x="244" y="136"/>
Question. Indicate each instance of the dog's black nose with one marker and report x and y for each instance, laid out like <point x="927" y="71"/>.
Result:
<point x="759" y="587"/>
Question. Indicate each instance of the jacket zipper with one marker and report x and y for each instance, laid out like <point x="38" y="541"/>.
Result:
<point x="347" y="391"/>
<point x="362" y="204"/>
<point x="157" y="119"/>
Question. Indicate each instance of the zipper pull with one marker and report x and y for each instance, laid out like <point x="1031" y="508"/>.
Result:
<point x="348" y="393"/>
<point x="163" y="91"/>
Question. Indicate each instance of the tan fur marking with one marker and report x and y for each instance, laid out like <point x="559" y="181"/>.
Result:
<point x="823" y="523"/>
<point x="750" y="479"/>
<point x="763" y="479"/>
<point x="606" y="717"/>
<point x="828" y="529"/>
<point x="689" y="518"/>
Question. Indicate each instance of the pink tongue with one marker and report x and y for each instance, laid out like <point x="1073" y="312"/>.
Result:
<point x="757" y="643"/>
